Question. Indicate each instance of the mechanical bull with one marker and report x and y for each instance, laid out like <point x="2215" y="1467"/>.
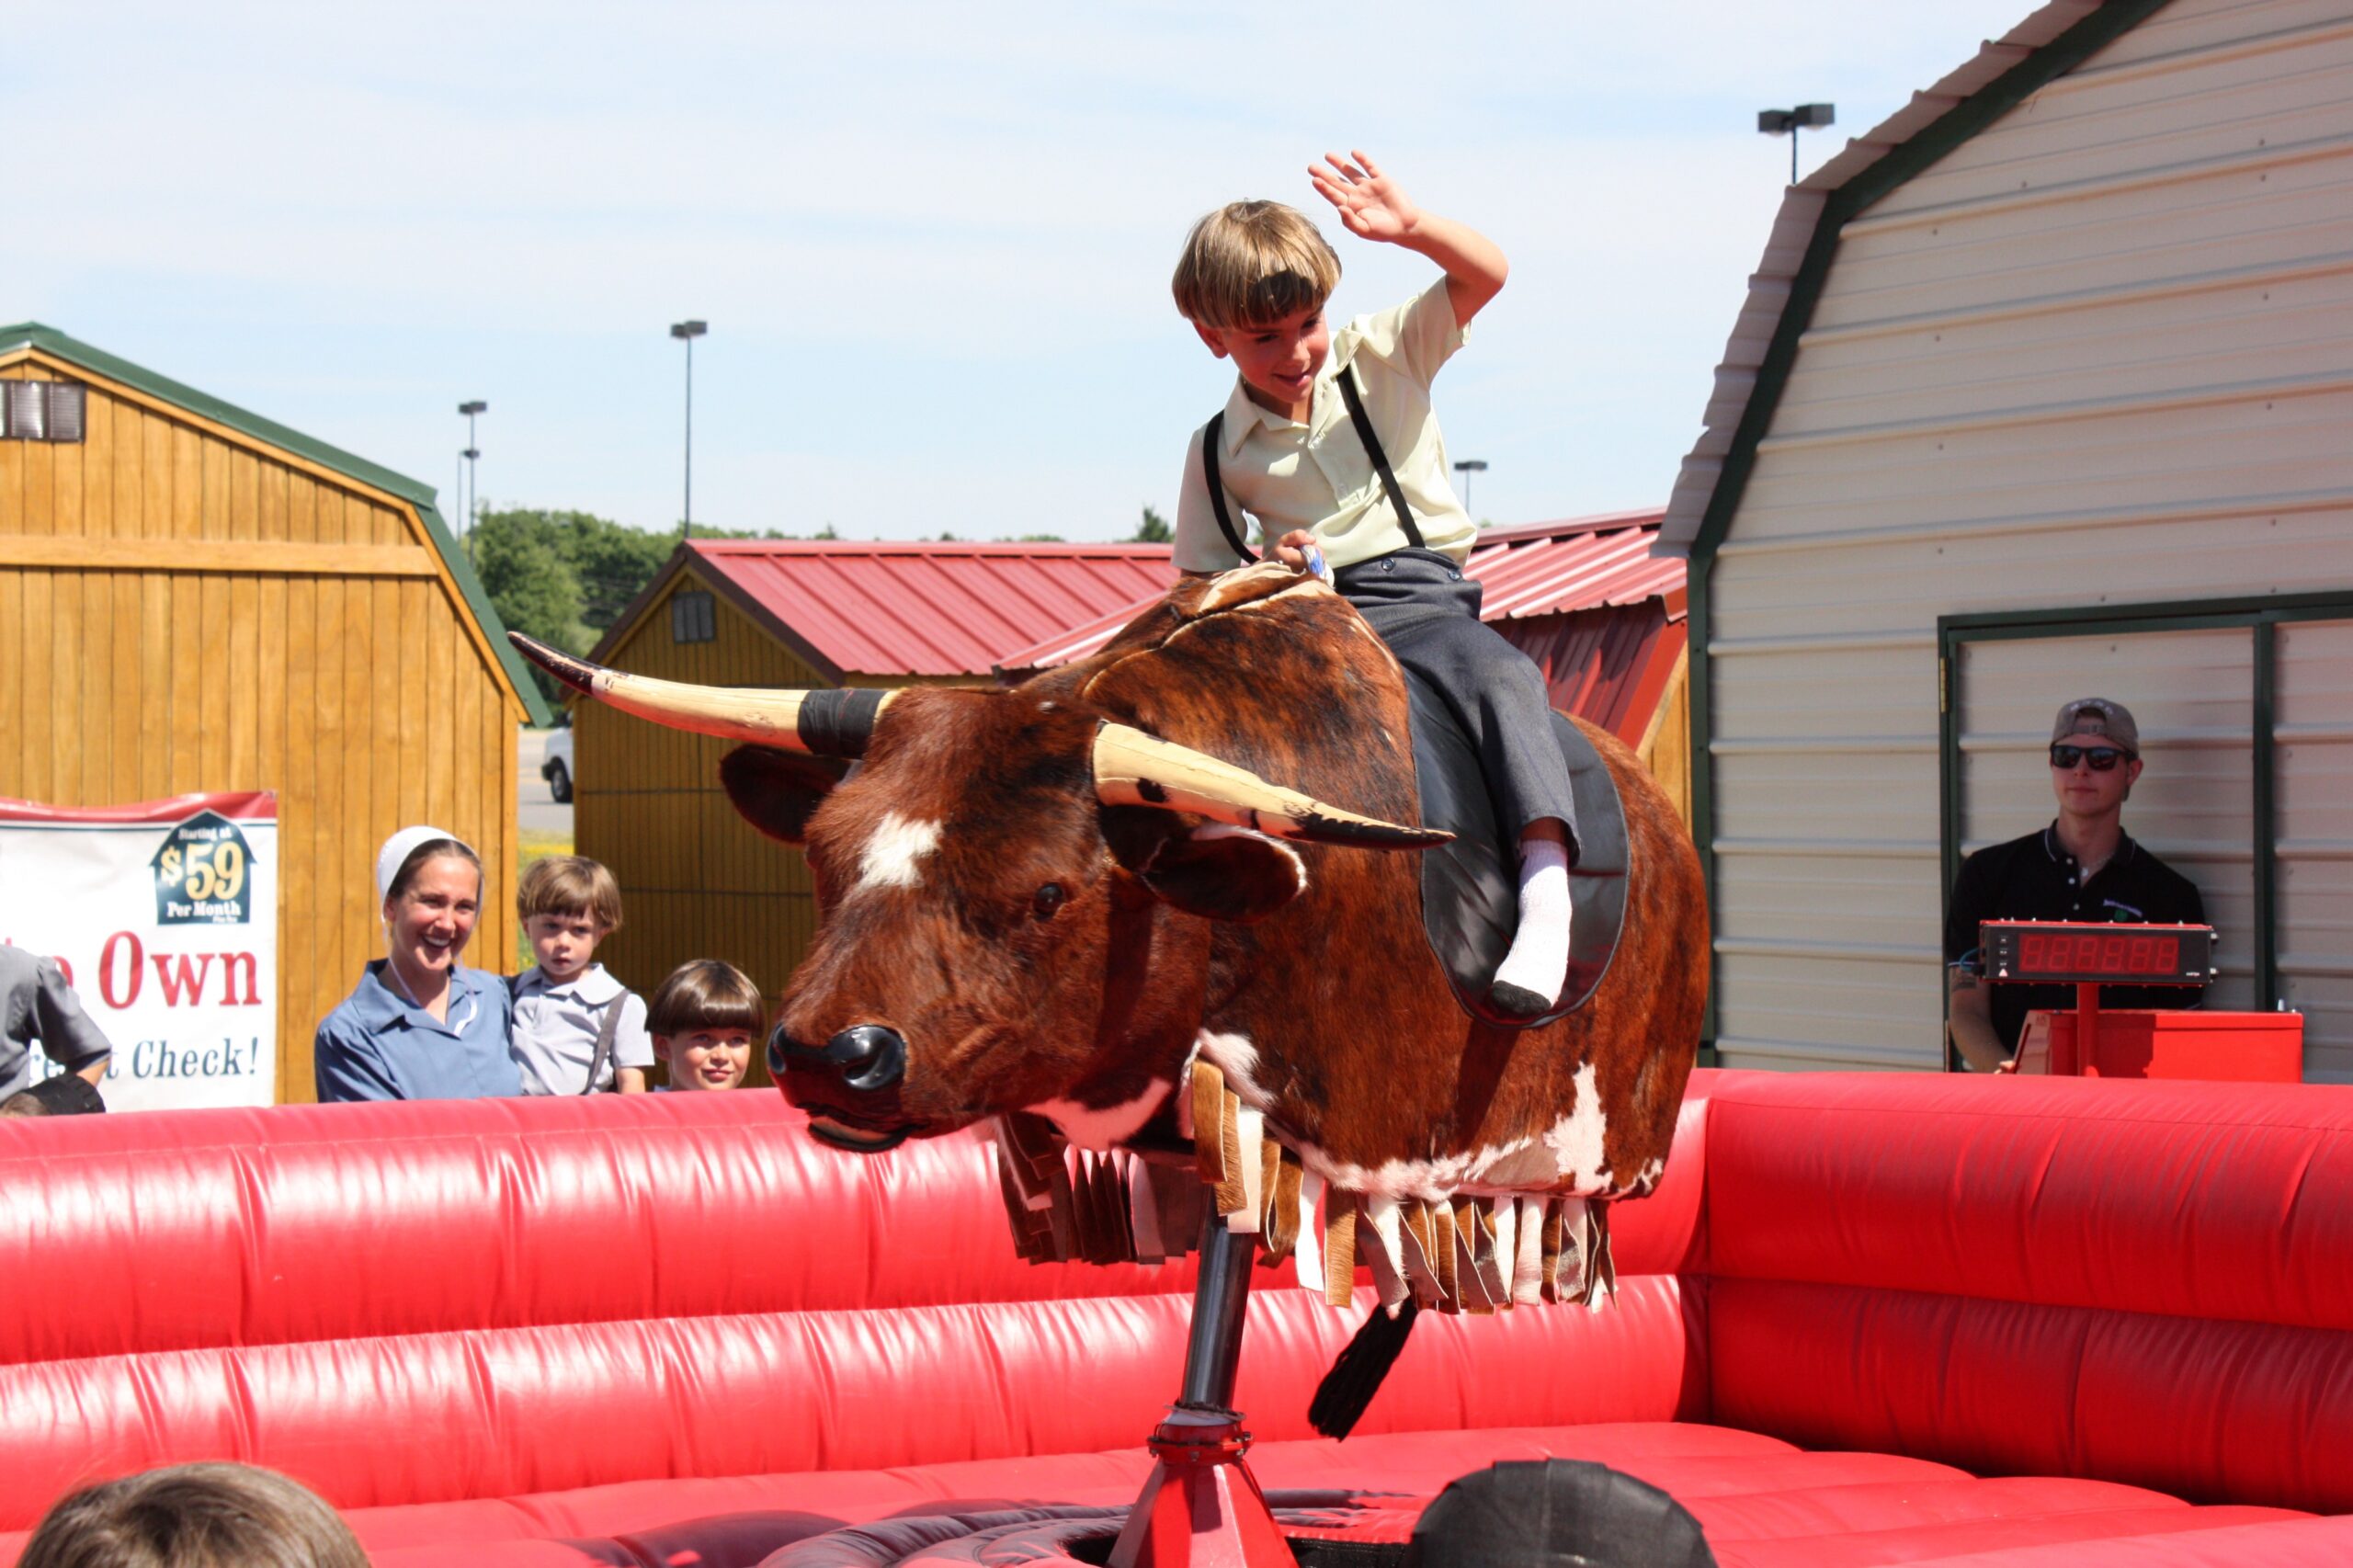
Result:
<point x="1079" y="904"/>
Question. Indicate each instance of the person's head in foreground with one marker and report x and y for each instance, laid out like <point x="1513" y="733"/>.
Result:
<point x="68" y="1093"/>
<point x="2095" y="758"/>
<point x="568" y="903"/>
<point x="703" y="1021"/>
<point x="1555" y="1514"/>
<point x="1254" y="279"/>
<point x="194" y="1516"/>
<point x="431" y="884"/>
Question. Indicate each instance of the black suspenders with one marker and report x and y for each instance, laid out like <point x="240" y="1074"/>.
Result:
<point x="1217" y="485"/>
<point x="1356" y="416"/>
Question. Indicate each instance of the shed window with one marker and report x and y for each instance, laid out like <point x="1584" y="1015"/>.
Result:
<point x="693" y="618"/>
<point x="42" y="411"/>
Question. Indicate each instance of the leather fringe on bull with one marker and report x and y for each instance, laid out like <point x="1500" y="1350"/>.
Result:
<point x="1456" y="1254"/>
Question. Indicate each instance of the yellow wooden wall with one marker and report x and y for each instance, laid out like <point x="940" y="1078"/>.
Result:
<point x="1667" y="744"/>
<point x="696" y="880"/>
<point x="184" y="607"/>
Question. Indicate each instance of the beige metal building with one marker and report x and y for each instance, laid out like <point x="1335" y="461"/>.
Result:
<point x="2044" y="388"/>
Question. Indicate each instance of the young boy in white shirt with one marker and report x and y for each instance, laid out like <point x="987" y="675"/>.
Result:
<point x="1330" y="440"/>
<point x="703" y="1020"/>
<point x="577" y="1029"/>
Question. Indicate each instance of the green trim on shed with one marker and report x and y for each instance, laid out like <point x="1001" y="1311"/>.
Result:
<point x="1939" y="137"/>
<point x="50" y="341"/>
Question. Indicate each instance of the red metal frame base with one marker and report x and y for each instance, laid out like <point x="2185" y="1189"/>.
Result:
<point x="1201" y="1507"/>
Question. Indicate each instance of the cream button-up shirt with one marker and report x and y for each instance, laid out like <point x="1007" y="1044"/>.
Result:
<point x="1318" y="476"/>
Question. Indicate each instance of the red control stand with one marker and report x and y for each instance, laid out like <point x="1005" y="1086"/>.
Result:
<point x="1201" y="1507"/>
<point x="2086" y="956"/>
<point x="2244" y="1047"/>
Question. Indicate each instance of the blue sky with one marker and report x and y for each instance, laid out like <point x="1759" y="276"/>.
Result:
<point x="932" y="241"/>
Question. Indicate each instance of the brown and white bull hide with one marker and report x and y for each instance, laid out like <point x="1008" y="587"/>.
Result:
<point x="1142" y="980"/>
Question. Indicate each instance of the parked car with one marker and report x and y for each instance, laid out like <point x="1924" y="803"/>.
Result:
<point x="556" y="769"/>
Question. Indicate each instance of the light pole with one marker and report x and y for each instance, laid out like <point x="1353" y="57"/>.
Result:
<point x="687" y="332"/>
<point x="1466" y="467"/>
<point x="1790" y="122"/>
<point x="471" y="454"/>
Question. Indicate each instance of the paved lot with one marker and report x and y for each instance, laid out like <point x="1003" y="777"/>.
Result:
<point x="536" y="809"/>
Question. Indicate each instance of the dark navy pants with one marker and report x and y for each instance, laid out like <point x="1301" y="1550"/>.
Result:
<point x="1427" y="609"/>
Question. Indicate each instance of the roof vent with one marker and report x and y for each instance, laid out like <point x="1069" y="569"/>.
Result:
<point x="42" y="411"/>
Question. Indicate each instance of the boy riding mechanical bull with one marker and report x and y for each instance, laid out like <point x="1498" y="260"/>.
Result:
<point x="1138" y="905"/>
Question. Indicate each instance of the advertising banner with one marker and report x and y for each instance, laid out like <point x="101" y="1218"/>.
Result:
<point x="164" y="917"/>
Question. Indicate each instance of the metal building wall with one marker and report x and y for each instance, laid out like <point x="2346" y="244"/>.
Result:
<point x="2101" y="353"/>
<point x="2193" y="693"/>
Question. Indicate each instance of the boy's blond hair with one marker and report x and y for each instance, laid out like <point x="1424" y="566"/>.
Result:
<point x="704" y="994"/>
<point x="570" y="884"/>
<point x="1252" y="262"/>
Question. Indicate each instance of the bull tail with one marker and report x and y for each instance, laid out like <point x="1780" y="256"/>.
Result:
<point x="1341" y="1398"/>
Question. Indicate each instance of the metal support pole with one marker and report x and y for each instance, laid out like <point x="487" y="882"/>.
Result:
<point x="1220" y="1302"/>
<point x="1201" y="1507"/>
<point x="687" y="530"/>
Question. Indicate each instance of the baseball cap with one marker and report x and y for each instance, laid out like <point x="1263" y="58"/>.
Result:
<point x="2096" y="716"/>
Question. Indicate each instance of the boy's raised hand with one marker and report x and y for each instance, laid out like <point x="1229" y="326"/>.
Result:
<point x="1370" y="205"/>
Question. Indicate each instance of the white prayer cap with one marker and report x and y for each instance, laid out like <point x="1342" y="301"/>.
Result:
<point x="397" y="848"/>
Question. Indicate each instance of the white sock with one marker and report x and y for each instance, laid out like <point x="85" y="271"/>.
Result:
<point x="1539" y="959"/>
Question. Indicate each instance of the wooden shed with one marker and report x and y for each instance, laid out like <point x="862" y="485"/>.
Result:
<point x="696" y="880"/>
<point x="2044" y="390"/>
<point x="194" y="598"/>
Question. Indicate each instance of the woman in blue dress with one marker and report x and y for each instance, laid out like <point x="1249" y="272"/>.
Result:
<point x="420" y="1026"/>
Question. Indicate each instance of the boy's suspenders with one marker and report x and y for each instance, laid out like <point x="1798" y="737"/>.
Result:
<point x="1217" y="487"/>
<point x="1347" y="379"/>
<point x="1356" y="416"/>
<point x="606" y="1031"/>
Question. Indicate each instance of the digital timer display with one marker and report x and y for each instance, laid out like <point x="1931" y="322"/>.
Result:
<point x="2067" y="953"/>
<point x="2099" y="955"/>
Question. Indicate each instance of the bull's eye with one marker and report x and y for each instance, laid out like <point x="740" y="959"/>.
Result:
<point x="1050" y="898"/>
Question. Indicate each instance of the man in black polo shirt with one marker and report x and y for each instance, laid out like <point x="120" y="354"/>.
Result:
<point x="2083" y="867"/>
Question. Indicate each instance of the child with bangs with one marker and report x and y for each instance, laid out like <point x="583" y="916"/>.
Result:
<point x="1330" y="440"/>
<point x="704" y="1019"/>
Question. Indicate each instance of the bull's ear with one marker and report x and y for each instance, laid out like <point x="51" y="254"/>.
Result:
<point x="776" y="790"/>
<point x="1215" y="872"/>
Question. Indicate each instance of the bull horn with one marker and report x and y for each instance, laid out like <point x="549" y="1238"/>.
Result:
<point x="1133" y="768"/>
<point x="830" y="723"/>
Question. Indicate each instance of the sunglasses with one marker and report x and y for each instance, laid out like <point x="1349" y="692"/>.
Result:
<point x="2103" y="759"/>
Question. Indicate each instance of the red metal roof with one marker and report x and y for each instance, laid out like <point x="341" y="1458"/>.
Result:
<point x="928" y="609"/>
<point x="1581" y="563"/>
<point x="1536" y="569"/>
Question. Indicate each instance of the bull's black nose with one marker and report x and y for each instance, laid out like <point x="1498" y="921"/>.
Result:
<point x="868" y="1057"/>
